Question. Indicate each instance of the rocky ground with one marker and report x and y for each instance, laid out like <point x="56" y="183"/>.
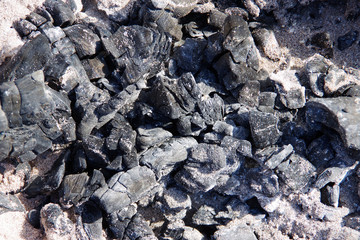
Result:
<point x="166" y="119"/>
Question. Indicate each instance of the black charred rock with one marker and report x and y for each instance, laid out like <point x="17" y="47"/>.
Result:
<point x="54" y="34"/>
<point x="10" y="103"/>
<point x="96" y="68"/>
<point x="86" y="42"/>
<point x="148" y="136"/>
<point x="138" y="52"/>
<point x="138" y="228"/>
<point x="36" y="19"/>
<point x="119" y="221"/>
<point x="212" y="109"/>
<point x="31" y="57"/>
<point x="24" y="27"/>
<point x="91" y="218"/>
<point x="61" y="13"/>
<point x="263" y="128"/>
<point x="214" y="47"/>
<point x="264" y="182"/>
<point x="51" y="180"/>
<point x="347" y="40"/>
<point x="95" y="151"/>
<point x="249" y="94"/>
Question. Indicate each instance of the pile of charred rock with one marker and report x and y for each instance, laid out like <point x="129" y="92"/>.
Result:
<point x="170" y="115"/>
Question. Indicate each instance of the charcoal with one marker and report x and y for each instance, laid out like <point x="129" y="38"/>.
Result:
<point x="120" y="220"/>
<point x="249" y="94"/>
<point x="36" y="19"/>
<point x="9" y="202"/>
<point x="91" y="217"/>
<point x="189" y="56"/>
<point x="339" y="114"/>
<point x="11" y="103"/>
<point x="176" y="203"/>
<point x="54" y="34"/>
<point x="214" y="47"/>
<point x="263" y="128"/>
<point x="86" y="42"/>
<point x="62" y="14"/>
<point x="191" y="125"/>
<point x="292" y="94"/>
<point x="164" y="22"/>
<point x="264" y="182"/>
<point x="65" y="47"/>
<point x="296" y="172"/>
<point x="55" y="223"/>
<point x="95" y="151"/>
<point x="162" y="159"/>
<point x="278" y="156"/>
<point x="72" y="189"/>
<point x="95" y="67"/>
<point x="265" y="38"/>
<point x="148" y="136"/>
<point x="79" y="162"/>
<point x="345" y="41"/>
<point x="109" y="200"/>
<point x="179" y="8"/>
<point x="138" y="228"/>
<point x="51" y="180"/>
<point x="234" y="228"/>
<point x="217" y="18"/>
<point x="320" y="152"/>
<point x="212" y="109"/>
<point x="204" y="216"/>
<point x="122" y="137"/>
<point x="207" y="82"/>
<point x="25" y="27"/>
<point x="230" y="130"/>
<point x="136" y="182"/>
<point x="267" y="101"/>
<point x="332" y="175"/>
<point x="140" y="53"/>
<point x="31" y="57"/>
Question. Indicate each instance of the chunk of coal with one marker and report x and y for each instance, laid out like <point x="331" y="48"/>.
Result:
<point x="249" y="94"/>
<point x="235" y="228"/>
<point x="119" y="221"/>
<point x="25" y="27"/>
<point x="138" y="51"/>
<point x="189" y="56"/>
<point x="322" y="40"/>
<point x="148" y="137"/>
<point x="345" y="41"/>
<point x="295" y="172"/>
<point x="292" y="94"/>
<point x="204" y="216"/>
<point x="91" y="218"/>
<point x="191" y="125"/>
<point x="263" y="128"/>
<point x="73" y="189"/>
<point x="54" y="34"/>
<point x="264" y="182"/>
<point x="11" y="103"/>
<point x="87" y="43"/>
<point x="9" y="202"/>
<point x="36" y="19"/>
<point x="136" y="182"/>
<point x="95" y="151"/>
<point x="109" y="200"/>
<point x="96" y="67"/>
<point x="61" y="13"/>
<point x="217" y="18"/>
<point x="51" y="180"/>
<point x="214" y="47"/>
<point x="340" y="114"/>
<point x="212" y="109"/>
<point x="320" y="152"/>
<point x="32" y="56"/>
<point x="138" y="228"/>
<point x="55" y="223"/>
<point x="163" y="159"/>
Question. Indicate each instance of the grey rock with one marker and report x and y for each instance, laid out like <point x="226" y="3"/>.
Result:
<point x="136" y="182"/>
<point x="295" y="172"/>
<point x="353" y="221"/>
<point x="109" y="200"/>
<point x="138" y="50"/>
<point x="73" y="189"/>
<point x="278" y="156"/>
<point x="249" y="94"/>
<point x="91" y="218"/>
<point x="340" y="114"/>
<point x="148" y="137"/>
<point x="345" y="41"/>
<point x="65" y="47"/>
<point x="230" y="130"/>
<point x="217" y="18"/>
<point x="11" y="103"/>
<point x="51" y="180"/>
<point x="32" y="56"/>
<point x="263" y="128"/>
<point x="320" y="152"/>
<point x="95" y="151"/>
<point x="61" y="13"/>
<point x="163" y="159"/>
<point x="119" y="12"/>
<point x="138" y="228"/>
<point x="164" y="22"/>
<point x="54" y="34"/>
<point x="55" y="223"/>
<point x="267" y="101"/>
<point x="333" y="175"/>
<point x="36" y="19"/>
<point x="9" y="202"/>
<point x="191" y="125"/>
<point x="214" y="47"/>
<point x="120" y="220"/>
<point x="86" y="42"/>
<point x="292" y="94"/>
<point x="316" y="70"/>
<point x="212" y="109"/>
<point x="179" y="8"/>
<point x="266" y="39"/>
<point x="176" y="203"/>
<point x="263" y="181"/>
<point x="234" y="209"/>
<point x="189" y="56"/>
<point x="330" y="195"/>
<point x="234" y="228"/>
<point x="3" y="121"/>
<point x="204" y="216"/>
<point x="337" y="81"/>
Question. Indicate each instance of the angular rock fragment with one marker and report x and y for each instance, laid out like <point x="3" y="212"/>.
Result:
<point x="91" y="218"/>
<point x="73" y="188"/>
<point x="249" y="94"/>
<point x="148" y="137"/>
<point x="96" y="68"/>
<point x="109" y="200"/>
<point x="138" y="228"/>
<point x="118" y="11"/>
<point x="264" y="182"/>
<point x="345" y="41"/>
<point x="263" y="128"/>
<point x="292" y="94"/>
<point x="95" y="151"/>
<point x="176" y="203"/>
<point x="25" y="27"/>
<point x="55" y="223"/>
<point x="276" y="156"/>
<point x="179" y="8"/>
<point x="30" y="58"/>
<point x="267" y="101"/>
<point x="295" y="172"/>
<point x="337" y="81"/>
<point x="61" y="13"/>
<point x="217" y="18"/>
<point x="205" y="216"/>
<point x="266" y="40"/>
<point x="316" y="70"/>
<point x="36" y="19"/>
<point x="11" y="103"/>
<point x="9" y="202"/>
<point x="138" y="52"/>
<point x="120" y="220"/>
<point x="212" y="109"/>
<point x="235" y="228"/>
<point x="54" y="34"/>
<point x="340" y="114"/>
<point x="86" y="42"/>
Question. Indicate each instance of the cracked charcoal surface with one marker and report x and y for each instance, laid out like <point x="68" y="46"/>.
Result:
<point x="166" y="122"/>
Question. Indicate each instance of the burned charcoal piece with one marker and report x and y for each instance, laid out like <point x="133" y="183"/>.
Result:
<point x="263" y="128"/>
<point x="347" y="40"/>
<point x="91" y="217"/>
<point x="9" y="202"/>
<point x="33" y="217"/>
<point x="36" y="19"/>
<point x="72" y="189"/>
<point x="116" y="164"/>
<point x="249" y="94"/>
<point x="296" y="172"/>
<point x="263" y="181"/>
<point x="95" y="151"/>
<point x="119" y="221"/>
<point x="65" y="47"/>
<point x="214" y="47"/>
<point x="130" y="159"/>
<point x="266" y="39"/>
<point x="61" y="13"/>
<point x="51" y="180"/>
<point x="212" y="109"/>
<point x="55" y="223"/>
<point x="217" y="18"/>
<point x="279" y="156"/>
<point x="109" y="200"/>
<point x="25" y="27"/>
<point x="138" y="228"/>
<point x="147" y="136"/>
<point x="79" y="162"/>
<point x="53" y="34"/>
<point x="176" y="203"/>
<point x="322" y="40"/>
<point x="96" y="67"/>
<point x="86" y="42"/>
<point x="11" y="103"/>
<point x="189" y="56"/>
<point x="30" y="58"/>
